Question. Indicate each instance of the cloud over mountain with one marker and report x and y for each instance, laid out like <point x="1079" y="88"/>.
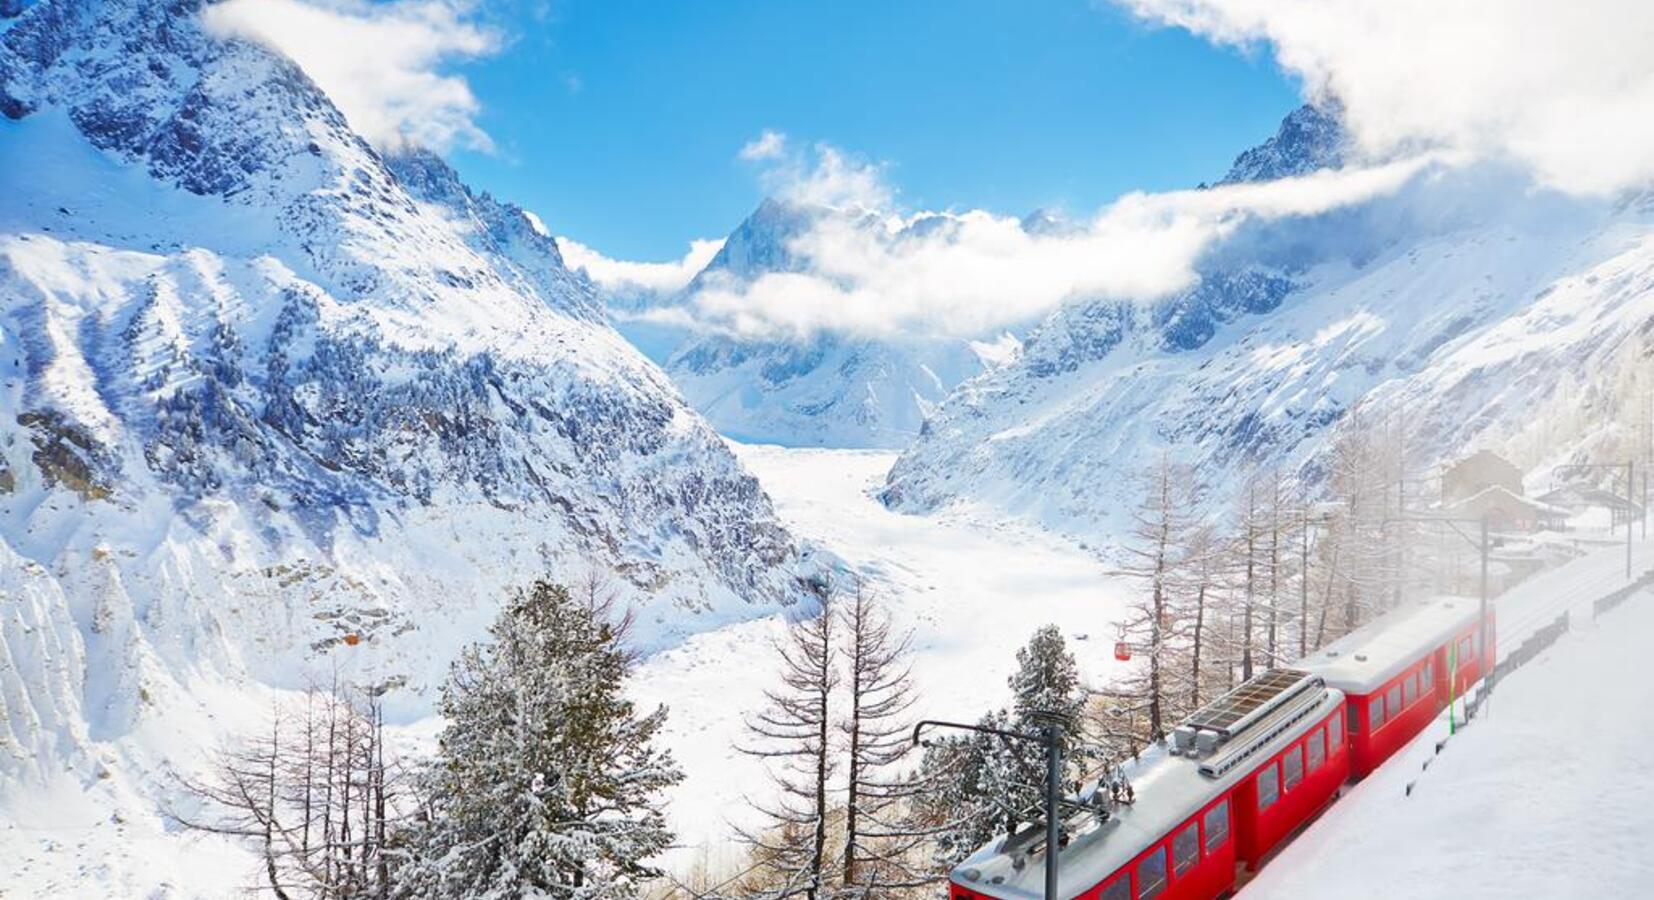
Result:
<point x="380" y="63"/>
<point x="970" y="273"/>
<point x="1563" y="89"/>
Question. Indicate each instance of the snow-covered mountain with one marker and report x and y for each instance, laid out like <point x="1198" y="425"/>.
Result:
<point x="1486" y="311"/>
<point x="1309" y="138"/>
<point x="822" y="389"/>
<point x="271" y="402"/>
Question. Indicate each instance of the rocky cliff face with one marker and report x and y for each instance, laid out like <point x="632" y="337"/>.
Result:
<point x="263" y="388"/>
<point x="1477" y="308"/>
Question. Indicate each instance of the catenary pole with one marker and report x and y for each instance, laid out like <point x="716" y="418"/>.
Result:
<point x="1482" y="654"/>
<point x="1053" y="794"/>
<point x="1050" y="736"/>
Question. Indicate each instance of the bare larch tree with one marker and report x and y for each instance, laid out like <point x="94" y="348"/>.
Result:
<point x="792" y="734"/>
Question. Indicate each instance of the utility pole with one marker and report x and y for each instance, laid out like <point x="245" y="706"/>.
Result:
<point x="1303" y="594"/>
<point x="1481" y="665"/>
<point x="1483" y="546"/>
<point x="1053" y="797"/>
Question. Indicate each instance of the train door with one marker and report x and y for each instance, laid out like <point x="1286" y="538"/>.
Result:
<point x="1439" y="676"/>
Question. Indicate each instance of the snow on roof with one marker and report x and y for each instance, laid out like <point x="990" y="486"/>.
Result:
<point x="1481" y="456"/>
<point x="1497" y="494"/>
<point x="1169" y="791"/>
<point x="1361" y="661"/>
<point x="1572" y="497"/>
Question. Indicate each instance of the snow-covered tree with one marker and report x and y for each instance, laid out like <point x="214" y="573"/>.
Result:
<point x="1046" y="686"/>
<point x="547" y="781"/>
<point x="960" y="804"/>
<point x="1046" y="681"/>
<point x="969" y="788"/>
<point x="791" y="733"/>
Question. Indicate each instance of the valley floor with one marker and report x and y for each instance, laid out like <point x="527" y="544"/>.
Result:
<point x="1534" y="775"/>
<point x="971" y="587"/>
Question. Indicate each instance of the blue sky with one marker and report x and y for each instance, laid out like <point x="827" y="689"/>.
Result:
<point x="619" y="121"/>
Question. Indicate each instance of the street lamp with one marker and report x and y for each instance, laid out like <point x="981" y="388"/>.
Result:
<point x="1049" y="737"/>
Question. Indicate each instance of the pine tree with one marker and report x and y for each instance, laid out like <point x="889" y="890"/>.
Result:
<point x="1046" y="686"/>
<point x="954" y="804"/>
<point x="791" y="733"/>
<point x="1047" y="681"/>
<point x="970" y="788"/>
<point x="547" y="782"/>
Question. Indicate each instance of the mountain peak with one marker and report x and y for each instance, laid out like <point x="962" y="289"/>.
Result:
<point x="1309" y="138"/>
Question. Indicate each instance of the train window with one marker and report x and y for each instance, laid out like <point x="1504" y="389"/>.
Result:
<point x="1410" y="690"/>
<point x="1118" y="889"/>
<point x="1151" y="874"/>
<point x="1315" y="750"/>
<point x="1217" y="826"/>
<point x="1464" y="652"/>
<point x="1186" y="848"/>
<point x="1429" y="678"/>
<point x="1392" y="702"/>
<point x="1355" y="720"/>
<point x="1375" y="714"/>
<point x="1335" y="737"/>
<point x="1292" y="769"/>
<point x="1269" y="787"/>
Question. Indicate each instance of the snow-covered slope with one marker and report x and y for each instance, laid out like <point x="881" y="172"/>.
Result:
<point x="1476" y="305"/>
<point x="261" y="391"/>
<point x="822" y="389"/>
<point x="1545" y="795"/>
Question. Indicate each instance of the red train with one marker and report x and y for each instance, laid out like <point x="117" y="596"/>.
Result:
<point x="1244" y="773"/>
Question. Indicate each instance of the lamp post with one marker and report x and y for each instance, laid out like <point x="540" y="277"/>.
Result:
<point x="1049" y="737"/>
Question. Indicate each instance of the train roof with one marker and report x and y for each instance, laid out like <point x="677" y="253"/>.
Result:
<point x="1363" y="660"/>
<point x="1170" y="788"/>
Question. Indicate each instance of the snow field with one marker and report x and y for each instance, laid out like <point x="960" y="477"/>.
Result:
<point x="973" y="589"/>
<point x="1548" y="793"/>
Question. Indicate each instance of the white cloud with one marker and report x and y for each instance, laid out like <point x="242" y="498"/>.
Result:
<point x="769" y="145"/>
<point x="827" y="176"/>
<point x="624" y="275"/>
<point x="983" y="272"/>
<point x="1562" y="87"/>
<point x="380" y="63"/>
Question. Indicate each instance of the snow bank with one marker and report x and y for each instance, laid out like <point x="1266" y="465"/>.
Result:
<point x="1547" y="794"/>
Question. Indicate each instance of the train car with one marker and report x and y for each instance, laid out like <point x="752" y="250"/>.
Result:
<point x="1398" y="671"/>
<point x="1229" y="785"/>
